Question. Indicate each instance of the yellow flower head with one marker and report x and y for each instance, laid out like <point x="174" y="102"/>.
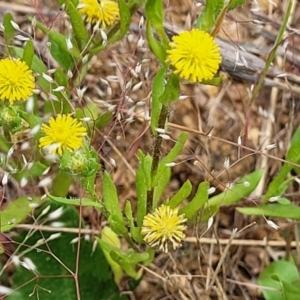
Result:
<point x="164" y="227"/>
<point x="16" y="80"/>
<point x="104" y="11"/>
<point x="194" y="55"/>
<point x="63" y="132"/>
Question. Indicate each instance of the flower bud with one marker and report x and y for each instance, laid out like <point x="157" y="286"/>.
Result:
<point x="82" y="162"/>
<point x="10" y="119"/>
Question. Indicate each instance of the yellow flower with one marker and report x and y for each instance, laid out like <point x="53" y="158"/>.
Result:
<point x="164" y="227"/>
<point x="194" y="55"/>
<point x="16" y="80"/>
<point x="62" y="133"/>
<point x="104" y="11"/>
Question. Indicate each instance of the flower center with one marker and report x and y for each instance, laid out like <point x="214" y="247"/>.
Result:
<point x="62" y="135"/>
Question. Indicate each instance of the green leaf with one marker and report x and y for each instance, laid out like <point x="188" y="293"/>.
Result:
<point x="284" y="185"/>
<point x="233" y="195"/>
<point x="273" y="210"/>
<point x="63" y="103"/>
<point x="110" y="238"/>
<point x="160" y="187"/>
<point x="60" y="51"/>
<point x="15" y="212"/>
<point x="296" y="136"/>
<point x="141" y="189"/>
<point x="30" y="118"/>
<point x="193" y="207"/>
<point x="209" y="16"/>
<point x="118" y="33"/>
<point x="154" y="12"/>
<point x="38" y="67"/>
<point x="157" y="47"/>
<point x="128" y="260"/>
<point x="103" y="120"/>
<point x="91" y="111"/>
<point x="155" y="18"/>
<point x="284" y="201"/>
<point x="78" y="26"/>
<point x="37" y="169"/>
<point x="63" y="2"/>
<point x="9" y="30"/>
<point x="214" y="81"/>
<point x="134" y="230"/>
<point x="172" y="90"/>
<point x="61" y="184"/>
<point x="157" y="91"/>
<point x="169" y="158"/>
<point x="54" y="263"/>
<point x="76" y="201"/>
<point x="61" y="78"/>
<point x="181" y="195"/>
<point x="111" y="204"/>
<point x="240" y="190"/>
<point x="4" y="144"/>
<point x="143" y="184"/>
<point x="145" y="165"/>
<point x="235" y="3"/>
<point x="283" y="277"/>
<point x="293" y="156"/>
<point x="28" y="53"/>
<point x="125" y="17"/>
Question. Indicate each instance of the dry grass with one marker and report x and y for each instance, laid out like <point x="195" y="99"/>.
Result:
<point x="219" y="263"/>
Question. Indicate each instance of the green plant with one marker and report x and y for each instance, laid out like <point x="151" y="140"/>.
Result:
<point x="62" y="129"/>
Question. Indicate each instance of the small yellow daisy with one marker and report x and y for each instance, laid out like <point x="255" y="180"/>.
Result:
<point x="63" y="132"/>
<point x="16" y="80"/>
<point x="194" y="55"/>
<point x="104" y="11"/>
<point x="164" y="227"/>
